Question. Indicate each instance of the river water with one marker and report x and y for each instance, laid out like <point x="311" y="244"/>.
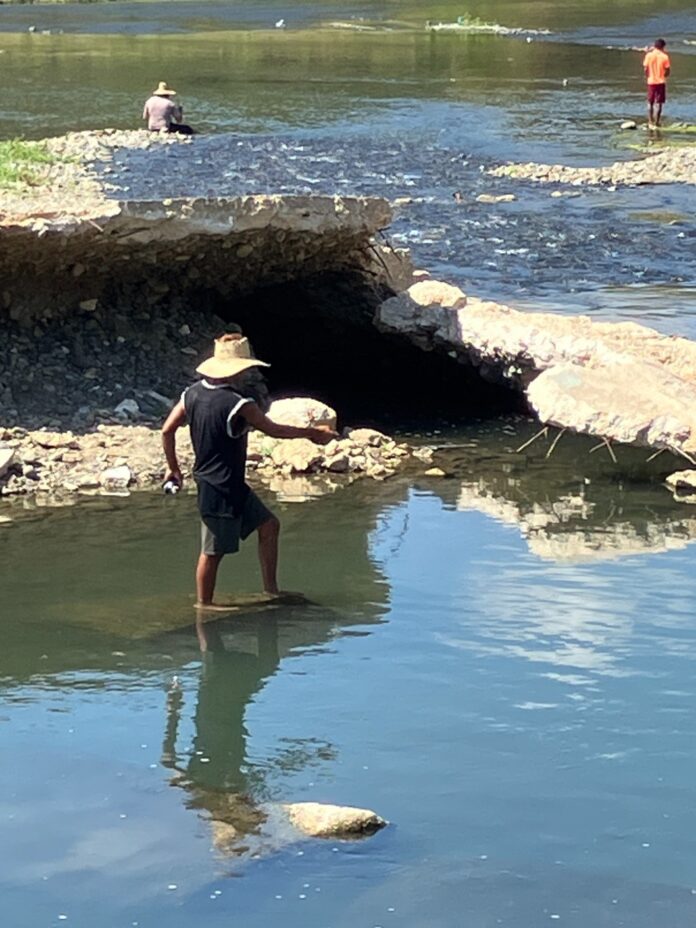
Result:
<point x="500" y="663"/>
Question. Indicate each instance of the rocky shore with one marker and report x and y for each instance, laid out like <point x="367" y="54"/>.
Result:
<point x="57" y="467"/>
<point x="108" y="306"/>
<point x="671" y="166"/>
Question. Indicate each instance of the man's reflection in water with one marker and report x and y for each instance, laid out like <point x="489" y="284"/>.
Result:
<point x="214" y="776"/>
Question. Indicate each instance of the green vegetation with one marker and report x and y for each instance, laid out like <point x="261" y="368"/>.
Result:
<point x="24" y="163"/>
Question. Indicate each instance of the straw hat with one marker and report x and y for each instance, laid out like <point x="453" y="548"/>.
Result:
<point x="232" y="356"/>
<point x="163" y="90"/>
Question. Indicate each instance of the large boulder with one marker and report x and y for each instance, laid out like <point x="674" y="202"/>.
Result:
<point x="302" y="412"/>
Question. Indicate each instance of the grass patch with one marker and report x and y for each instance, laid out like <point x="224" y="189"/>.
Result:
<point x="24" y="163"/>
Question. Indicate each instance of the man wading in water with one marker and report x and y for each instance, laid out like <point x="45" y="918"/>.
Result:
<point x="657" y="66"/>
<point x="219" y="416"/>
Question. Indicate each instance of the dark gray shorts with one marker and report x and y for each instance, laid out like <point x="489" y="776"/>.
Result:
<point x="222" y="534"/>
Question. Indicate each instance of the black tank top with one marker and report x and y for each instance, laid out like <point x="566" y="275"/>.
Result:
<point x="219" y="439"/>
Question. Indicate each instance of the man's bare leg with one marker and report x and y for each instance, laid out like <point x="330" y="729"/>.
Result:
<point x="659" y="114"/>
<point x="206" y="575"/>
<point x="651" y="116"/>
<point x="268" y="554"/>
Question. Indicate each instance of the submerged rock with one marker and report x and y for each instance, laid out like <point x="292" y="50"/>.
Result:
<point x="318" y="820"/>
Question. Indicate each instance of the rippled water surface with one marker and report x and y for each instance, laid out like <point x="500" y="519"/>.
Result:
<point x="500" y="663"/>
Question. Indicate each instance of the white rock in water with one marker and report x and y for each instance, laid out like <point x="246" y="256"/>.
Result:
<point x="435" y="472"/>
<point x="629" y="124"/>
<point x="116" y="478"/>
<point x="682" y="479"/>
<point x="495" y="198"/>
<point x="319" y="820"/>
<point x="7" y="459"/>
<point x="88" y="306"/>
<point x="127" y="409"/>
<point x="302" y="412"/>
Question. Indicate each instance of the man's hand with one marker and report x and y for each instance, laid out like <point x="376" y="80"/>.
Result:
<point x="322" y="434"/>
<point x="175" y="476"/>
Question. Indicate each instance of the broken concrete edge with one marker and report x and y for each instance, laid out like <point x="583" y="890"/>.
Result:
<point x="619" y="382"/>
<point x="185" y="216"/>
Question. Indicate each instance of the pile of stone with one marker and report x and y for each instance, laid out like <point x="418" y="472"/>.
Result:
<point x="98" y="365"/>
<point x="114" y="460"/>
<point x="671" y="166"/>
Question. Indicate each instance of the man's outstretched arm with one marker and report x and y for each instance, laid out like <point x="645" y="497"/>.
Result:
<point x="175" y="420"/>
<point x="320" y="434"/>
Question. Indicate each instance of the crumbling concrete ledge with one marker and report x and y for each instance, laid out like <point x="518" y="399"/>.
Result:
<point x="621" y="382"/>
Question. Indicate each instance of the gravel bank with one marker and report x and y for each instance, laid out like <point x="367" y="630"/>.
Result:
<point x="672" y="166"/>
<point x="70" y="187"/>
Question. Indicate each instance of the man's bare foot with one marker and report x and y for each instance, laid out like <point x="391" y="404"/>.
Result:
<point x="286" y="596"/>
<point x="213" y="607"/>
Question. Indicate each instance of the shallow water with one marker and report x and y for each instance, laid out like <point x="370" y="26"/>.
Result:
<point x="500" y="663"/>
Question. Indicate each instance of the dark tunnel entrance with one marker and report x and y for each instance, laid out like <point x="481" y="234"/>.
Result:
<point x="319" y="337"/>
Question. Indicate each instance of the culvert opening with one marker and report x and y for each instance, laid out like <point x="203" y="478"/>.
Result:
<point x="318" y="335"/>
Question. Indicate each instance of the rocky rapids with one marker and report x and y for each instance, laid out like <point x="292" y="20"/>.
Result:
<point x="108" y="305"/>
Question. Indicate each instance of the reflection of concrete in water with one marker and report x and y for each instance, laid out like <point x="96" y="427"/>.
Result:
<point x="570" y="528"/>
<point x="570" y="506"/>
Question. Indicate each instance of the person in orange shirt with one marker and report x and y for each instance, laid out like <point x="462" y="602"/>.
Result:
<point x="657" y="66"/>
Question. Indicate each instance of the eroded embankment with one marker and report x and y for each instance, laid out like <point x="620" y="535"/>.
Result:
<point x="108" y="314"/>
<point x="109" y="306"/>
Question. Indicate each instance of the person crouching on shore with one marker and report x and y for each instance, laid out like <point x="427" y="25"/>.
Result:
<point x="219" y="416"/>
<point x="163" y="114"/>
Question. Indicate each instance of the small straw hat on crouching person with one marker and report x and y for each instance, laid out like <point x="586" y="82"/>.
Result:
<point x="231" y="356"/>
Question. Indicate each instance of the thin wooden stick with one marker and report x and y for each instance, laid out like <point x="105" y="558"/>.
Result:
<point x="604" y="443"/>
<point x="554" y="443"/>
<point x="656" y="454"/>
<point x="544" y="431"/>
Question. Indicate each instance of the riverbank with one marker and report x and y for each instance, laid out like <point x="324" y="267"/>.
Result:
<point x="59" y="467"/>
<point x="109" y="305"/>
<point x="66" y="185"/>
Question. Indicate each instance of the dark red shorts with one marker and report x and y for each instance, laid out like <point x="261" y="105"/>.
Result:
<point x="657" y="93"/>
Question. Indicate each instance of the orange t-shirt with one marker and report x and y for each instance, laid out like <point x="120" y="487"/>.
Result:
<point x="656" y="62"/>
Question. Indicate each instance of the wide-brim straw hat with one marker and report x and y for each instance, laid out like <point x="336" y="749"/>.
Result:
<point x="163" y="90"/>
<point x="232" y="355"/>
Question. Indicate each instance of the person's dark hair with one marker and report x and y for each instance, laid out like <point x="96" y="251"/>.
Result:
<point x="660" y="43"/>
